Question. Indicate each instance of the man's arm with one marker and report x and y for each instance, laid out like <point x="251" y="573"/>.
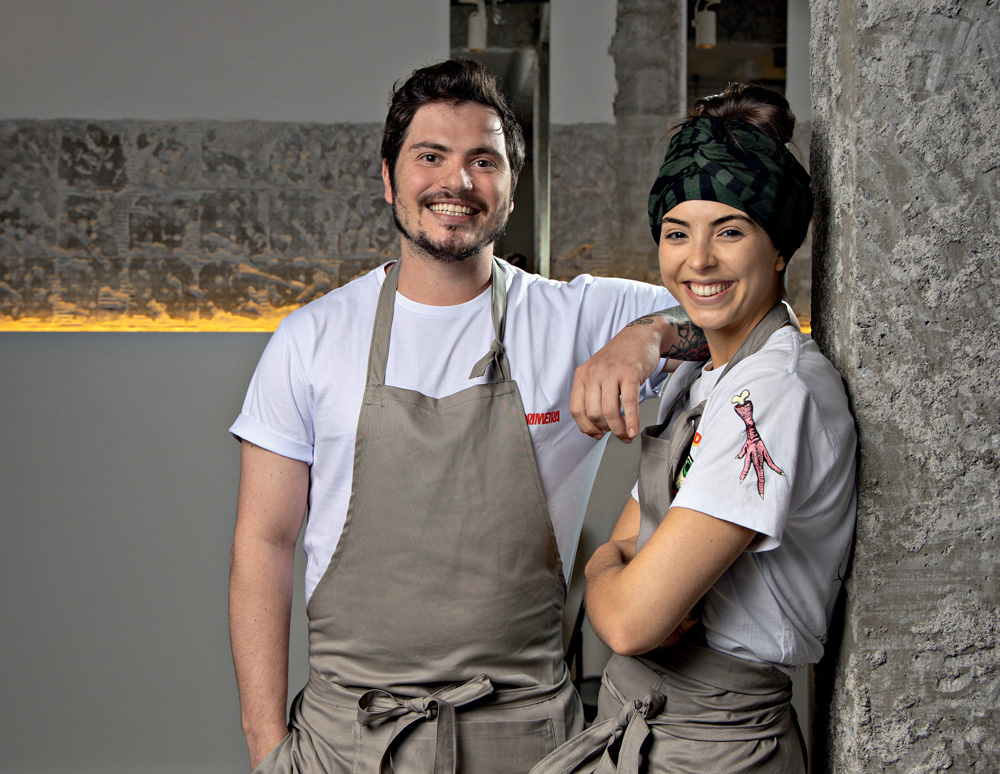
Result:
<point x="606" y="388"/>
<point x="272" y="506"/>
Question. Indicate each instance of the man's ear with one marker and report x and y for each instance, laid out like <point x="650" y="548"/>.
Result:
<point x="387" y="181"/>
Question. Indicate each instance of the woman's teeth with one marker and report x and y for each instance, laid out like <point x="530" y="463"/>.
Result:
<point x="708" y="290"/>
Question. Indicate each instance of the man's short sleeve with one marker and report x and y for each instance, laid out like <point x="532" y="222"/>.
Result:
<point x="277" y="413"/>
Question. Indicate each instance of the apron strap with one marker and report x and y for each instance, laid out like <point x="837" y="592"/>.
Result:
<point x="378" y="353"/>
<point x="378" y="706"/>
<point x="496" y="354"/>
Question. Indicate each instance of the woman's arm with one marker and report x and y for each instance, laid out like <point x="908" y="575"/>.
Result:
<point x="636" y="601"/>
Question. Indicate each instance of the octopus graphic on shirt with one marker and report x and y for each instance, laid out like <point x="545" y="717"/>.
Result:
<point x="754" y="451"/>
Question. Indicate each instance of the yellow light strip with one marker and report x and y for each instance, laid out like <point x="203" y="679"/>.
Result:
<point x="219" y="322"/>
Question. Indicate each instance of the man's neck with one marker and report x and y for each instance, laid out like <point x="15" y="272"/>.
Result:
<point x="430" y="281"/>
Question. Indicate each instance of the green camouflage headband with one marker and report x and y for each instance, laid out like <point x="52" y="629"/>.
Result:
<point x="740" y="166"/>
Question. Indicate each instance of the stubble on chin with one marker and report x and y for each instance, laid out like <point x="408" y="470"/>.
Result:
<point x="445" y="252"/>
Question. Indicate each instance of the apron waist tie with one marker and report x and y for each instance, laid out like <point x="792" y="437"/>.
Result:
<point x="630" y="727"/>
<point x="379" y="706"/>
<point x="637" y="717"/>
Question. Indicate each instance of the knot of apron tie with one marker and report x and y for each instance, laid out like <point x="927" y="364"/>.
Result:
<point x="495" y="355"/>
<point x="378" y="706"/>
<point x="630" y="728"/>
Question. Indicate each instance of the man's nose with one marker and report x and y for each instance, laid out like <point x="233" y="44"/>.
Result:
<point x="456" y="177"/>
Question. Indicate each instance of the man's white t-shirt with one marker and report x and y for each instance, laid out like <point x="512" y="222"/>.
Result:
<point x="305" y="396"/>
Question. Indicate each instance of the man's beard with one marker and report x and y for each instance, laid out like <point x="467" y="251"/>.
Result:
<point x="451" y="253"/>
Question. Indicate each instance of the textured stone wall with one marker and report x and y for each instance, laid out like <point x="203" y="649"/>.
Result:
<point x="906" y="281"/>
<point x="182" y="221"/>
<point x="583" y="185"/>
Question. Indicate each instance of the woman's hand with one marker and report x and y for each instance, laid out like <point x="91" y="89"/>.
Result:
<point x="678" y="634"/>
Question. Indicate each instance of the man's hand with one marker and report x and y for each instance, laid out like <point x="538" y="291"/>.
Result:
<point x="606" y="388"/>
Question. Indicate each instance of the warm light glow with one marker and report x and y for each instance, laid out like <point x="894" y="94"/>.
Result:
<point x="220" y="321"/>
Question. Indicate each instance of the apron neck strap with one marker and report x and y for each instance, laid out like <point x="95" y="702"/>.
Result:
<point x="496" y="354"/>
<point x="378" y="353"/>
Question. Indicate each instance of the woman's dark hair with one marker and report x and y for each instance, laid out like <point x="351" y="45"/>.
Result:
<point x="453" y="81"/>
<point x="762" y="108"/>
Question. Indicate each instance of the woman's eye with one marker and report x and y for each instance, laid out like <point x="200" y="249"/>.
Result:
<point x="673" y="235"/>
<point x="732" y="232"/>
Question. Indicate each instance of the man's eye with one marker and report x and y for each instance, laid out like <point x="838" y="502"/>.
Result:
<point x="483" y="163"/>
<point x="429" y="157"/>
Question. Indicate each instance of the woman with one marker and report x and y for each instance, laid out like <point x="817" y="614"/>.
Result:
<point x="741" y="524"/>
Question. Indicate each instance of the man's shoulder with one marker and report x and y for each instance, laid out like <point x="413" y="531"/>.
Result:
<point x="523" y="283"/>
<point x="340" y="305"/>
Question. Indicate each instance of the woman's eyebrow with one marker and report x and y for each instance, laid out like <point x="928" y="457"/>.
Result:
<point x="713" y="224"/>
<point x="734" y="216"/>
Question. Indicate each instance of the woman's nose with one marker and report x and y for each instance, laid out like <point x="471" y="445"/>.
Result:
<point x="701" y="255"/>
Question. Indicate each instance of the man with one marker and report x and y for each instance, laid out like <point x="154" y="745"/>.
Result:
<point x="419" y="414"/>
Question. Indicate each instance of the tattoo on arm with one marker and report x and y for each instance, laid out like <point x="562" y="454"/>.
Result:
<point x="690" y="345"/>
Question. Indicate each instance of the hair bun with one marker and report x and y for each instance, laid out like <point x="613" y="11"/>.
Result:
<point x="762" y="108"/>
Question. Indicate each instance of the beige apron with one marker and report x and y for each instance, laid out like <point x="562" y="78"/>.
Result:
<point x="435" y="635"/>
<point x="686" y="709"/>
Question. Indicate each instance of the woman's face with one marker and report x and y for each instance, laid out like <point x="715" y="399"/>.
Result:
<point x="722" y="267"/>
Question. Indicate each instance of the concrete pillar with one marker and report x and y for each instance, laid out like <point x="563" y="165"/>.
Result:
<point x="905" y="285"/>
<point x="649" y="52"/>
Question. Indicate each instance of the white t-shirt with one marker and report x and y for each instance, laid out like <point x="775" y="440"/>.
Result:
<point x="774" y="603"/>
<point x="305" y="396"/>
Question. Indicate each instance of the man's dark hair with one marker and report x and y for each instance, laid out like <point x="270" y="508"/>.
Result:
<point x="452" y="81"/>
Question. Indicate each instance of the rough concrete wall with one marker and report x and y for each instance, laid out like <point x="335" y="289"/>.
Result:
<point x="176" y="221"/>
<point x="906" y="281"/>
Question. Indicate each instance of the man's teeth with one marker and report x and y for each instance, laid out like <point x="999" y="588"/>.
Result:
<point x="708" y="290"/>
<point x="451" y="209"/>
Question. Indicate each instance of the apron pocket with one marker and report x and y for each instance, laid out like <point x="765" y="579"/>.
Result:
<point x="511" y="746"/>
<point x="279" y="760"/>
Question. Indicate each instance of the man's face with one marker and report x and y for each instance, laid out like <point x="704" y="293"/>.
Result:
<point x="451" y="196"/>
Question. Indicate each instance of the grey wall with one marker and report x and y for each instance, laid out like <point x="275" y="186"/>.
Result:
<point x="307" y="60"/>
<point x="906" y="280"/>
<point x="117" y="492"/>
